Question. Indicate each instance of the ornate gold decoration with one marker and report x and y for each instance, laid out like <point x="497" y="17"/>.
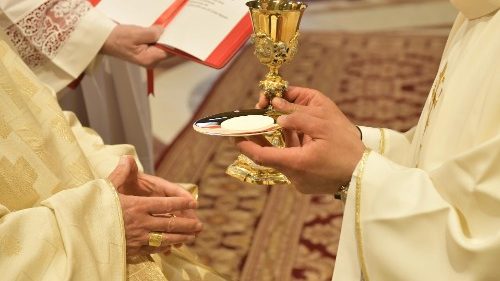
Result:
<point x="381" y="145"/>
<point x="5" y="129"/>
<point x="276" y="38"/>
<point x="9" y="87"/>
<point x="121" y="226"/>
<point x="80" y="171"/>
<point x="274" y="54"/>
<point x="144" y="268"/>
<point x="358" y="228"/>
<point x="155" y="239"/>
<point x="62" y="130"/>
<point x="17" y="182"/>
<point x="28" y="87"/>
<point x="437" y="90"/>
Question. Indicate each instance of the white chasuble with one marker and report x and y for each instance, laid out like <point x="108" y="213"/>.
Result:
<point x="60" y="219"/>
<point x="426" y="205"/>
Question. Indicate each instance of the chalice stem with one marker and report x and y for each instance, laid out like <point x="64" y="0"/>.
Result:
<point x="276" y="138"/>
<point x="275" y="24"/>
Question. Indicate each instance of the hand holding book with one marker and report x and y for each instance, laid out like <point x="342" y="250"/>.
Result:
<point x="134" y="44"/>
<point x="207" y="31"/>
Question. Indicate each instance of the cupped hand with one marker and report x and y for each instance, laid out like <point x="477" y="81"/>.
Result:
<point x="135" y="44"/>
<point x="151" y="204"/>
<point x="129" y="180"/>
<point x="323" y="146"/>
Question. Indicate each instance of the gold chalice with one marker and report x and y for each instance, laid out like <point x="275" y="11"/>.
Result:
<point x="275" y="26"/>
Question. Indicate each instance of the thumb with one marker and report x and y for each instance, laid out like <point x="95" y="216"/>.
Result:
<point x="157" y="31"/>
<point x="120" y="174"/>
<point x="285" y="106"/>
<point x="133" y="169"/>
<point x="149" y="35"/>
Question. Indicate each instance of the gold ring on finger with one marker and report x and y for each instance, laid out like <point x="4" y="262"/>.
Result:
<point x="155" y="239"/>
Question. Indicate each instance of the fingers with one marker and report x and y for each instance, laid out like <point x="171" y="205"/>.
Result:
<point x="169" y="240"/>
<point x="259" y="139"/>
<point x="147" y="250"/>
<point x="133" y="169"/>
<point x="163" y="205"/>
<point x="122" y="171"/>
<point x="263" y="101"/>
<point x="267" y="156"/>
<point x="172" y="239"/>
<point x="300" y="95"/>
<point x="292" y="138"/>
<point x="151" y="56"/>
<point x="164" y="187"/>
<point x="304" y="123"/>
<point x="285" y="106"/>
<point x="148" y="35"/>
<point x="175" y="225"/>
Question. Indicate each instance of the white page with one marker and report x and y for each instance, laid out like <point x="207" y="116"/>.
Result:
<point x="137" y="12"/>
<point x="202" y="24"/>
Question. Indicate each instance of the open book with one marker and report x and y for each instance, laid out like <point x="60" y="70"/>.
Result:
<point x="207" y="31"/>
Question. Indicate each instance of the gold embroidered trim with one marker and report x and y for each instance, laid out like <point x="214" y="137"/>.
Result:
<point x="122" y="227"/>
<point x="17" y="181"/>
<point x="359" y="238"/>
<point x="381" y="146"/>
<point x="433" y="99"/>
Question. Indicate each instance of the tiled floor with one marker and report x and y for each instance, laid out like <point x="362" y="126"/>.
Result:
<point x="180" y="89"/>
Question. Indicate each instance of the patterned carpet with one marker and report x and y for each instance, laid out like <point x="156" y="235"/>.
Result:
<point x="258" y="233"/>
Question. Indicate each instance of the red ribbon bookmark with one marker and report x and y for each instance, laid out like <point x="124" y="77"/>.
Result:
<point x="150" y="76"/>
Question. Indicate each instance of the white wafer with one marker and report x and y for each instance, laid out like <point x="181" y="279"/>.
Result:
<point x="248" y="123"/>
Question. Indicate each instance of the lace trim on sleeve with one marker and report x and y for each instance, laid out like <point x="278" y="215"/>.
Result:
<point x="41" y="33"/>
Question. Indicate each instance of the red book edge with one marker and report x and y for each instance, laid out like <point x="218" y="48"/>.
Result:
<point x="226" y="49"/>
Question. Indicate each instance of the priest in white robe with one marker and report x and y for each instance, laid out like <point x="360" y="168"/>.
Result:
<point x="61" y="39"/>
<point x="66" y="213"/>
<point x="424" y="205"/>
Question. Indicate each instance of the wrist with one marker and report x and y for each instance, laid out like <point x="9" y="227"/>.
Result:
<point x="341" y="193"/>
<point x="343" y="189"/>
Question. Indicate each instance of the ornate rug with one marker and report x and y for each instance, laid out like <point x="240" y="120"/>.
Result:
<point x="260" y="233"/>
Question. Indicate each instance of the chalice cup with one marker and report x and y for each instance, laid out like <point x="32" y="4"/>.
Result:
<point x="275" y="36"/>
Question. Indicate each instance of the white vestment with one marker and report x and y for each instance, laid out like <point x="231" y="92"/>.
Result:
<point x="425" y="205"/>
<point x="60" y="218"/>
<point x="58" y="40"/>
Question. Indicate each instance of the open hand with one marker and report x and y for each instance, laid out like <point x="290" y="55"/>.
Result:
<point x="323" y="146"/>
<point x="153" y="205"/>
<point x="135" y="44"/>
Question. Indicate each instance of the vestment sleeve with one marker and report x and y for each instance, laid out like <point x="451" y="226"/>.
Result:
<point x="76" y="234"/>
<point x="57" y="39"/>
<point x="389" y="143"/>
<point x="440" y="224"/>
<point x="103" y="158"/>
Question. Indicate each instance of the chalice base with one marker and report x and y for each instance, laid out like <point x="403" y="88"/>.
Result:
<point x="246" y="170"/>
